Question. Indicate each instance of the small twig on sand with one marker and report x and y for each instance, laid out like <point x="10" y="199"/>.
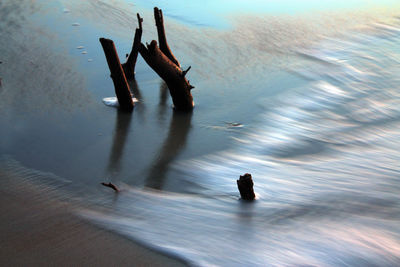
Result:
<point x="111" y="186"/>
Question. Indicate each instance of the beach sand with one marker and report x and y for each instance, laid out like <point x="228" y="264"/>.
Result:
<point x="36" y="227"/>
<point x="37" y="230"/>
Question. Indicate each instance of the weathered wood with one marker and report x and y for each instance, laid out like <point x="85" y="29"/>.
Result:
<point x="245" y="186"/>
<point x="129" y="66"/>
<point x="121" y="86"/>
<point x="162" y="39"/>
<point x="111" y="186"/>
<point x="179" y="87"/>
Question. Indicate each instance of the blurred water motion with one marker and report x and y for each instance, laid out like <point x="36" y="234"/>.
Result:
<point x="324" y="158"/>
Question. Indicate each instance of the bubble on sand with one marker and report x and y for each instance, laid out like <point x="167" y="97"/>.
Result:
<point x="113" y="101"/>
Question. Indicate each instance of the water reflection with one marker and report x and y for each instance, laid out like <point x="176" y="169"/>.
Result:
<point x="140" y="107"/>
<point x="135" y="90"/>
<point x="178" y="131"/>
<point x="162" y="105"/>
<point x="122" y="124"/>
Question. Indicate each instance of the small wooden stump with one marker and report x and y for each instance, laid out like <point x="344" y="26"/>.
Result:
<point x="122" y="90"/>
<point x="245" y="186"/>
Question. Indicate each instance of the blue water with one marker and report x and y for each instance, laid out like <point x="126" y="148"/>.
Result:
<point x="307" y="103"/>
<point x="211" y="13"/>
<point x="324" y="156"/>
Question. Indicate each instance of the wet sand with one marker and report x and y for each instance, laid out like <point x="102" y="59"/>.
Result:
<point x="37" y="230"/>
<point x="38" y="77"/>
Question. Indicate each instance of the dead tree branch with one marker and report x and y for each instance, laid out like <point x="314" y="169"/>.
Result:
<point x="129" y="66"/>
<point x="122" y="90"/>
<point x="179" y="87"/>
<point x="111" y="186"/>
<point x="162" y="39"/>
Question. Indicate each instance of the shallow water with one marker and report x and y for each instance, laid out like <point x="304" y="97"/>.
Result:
<point x="309" y="106"/>
<point x="324" y="157"/>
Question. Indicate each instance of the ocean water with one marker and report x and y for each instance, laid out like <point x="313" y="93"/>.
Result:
<point x="325" y="161"/>
<point x="303" y="95"/>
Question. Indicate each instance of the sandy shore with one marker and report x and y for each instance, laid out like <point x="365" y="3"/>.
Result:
<point x="37" y="230"/>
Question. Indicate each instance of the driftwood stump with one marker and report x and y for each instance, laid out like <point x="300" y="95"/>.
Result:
<point x="129" y="65"/>
<point x="165" y="64"/>
<point x="245" y="185"/>
<point x="162" y="38"/>
<point x="160" y="59"/>
<point x="122" y="90"/>
<point x="179" y="87"/>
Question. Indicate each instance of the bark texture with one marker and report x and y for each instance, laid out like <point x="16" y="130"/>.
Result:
<point x="121" y="86"/>
<point x="179" y="87"/>
<point x="162" y="38"/>
<point x="129" y="66"/>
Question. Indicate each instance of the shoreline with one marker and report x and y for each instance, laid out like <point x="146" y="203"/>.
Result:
<point x="38" y="230"/>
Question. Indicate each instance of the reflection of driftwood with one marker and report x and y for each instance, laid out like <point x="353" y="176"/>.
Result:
<point x="179" y="87"/>
<point x="162" y="39"/>
<point x="129" y="66"/>
<point x="162" y="104"/>
<point x="135" y="90"/>
<point x="111" y="186"/>
<point x="117" y="74"/>
<point x="245" y="185"/>
<point x="163" y="94"/>
<point x="178" y="132"/>
<point x="122" y="125"/>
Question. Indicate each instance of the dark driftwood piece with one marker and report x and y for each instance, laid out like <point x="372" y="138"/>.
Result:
<point x="129" y="66"/>
<point x="162" y="39"/>
<point x="179" y="87"/>
<point x="245" y="185"/>
<point x="122" y="90"/>
<point x="111" y="186"/>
